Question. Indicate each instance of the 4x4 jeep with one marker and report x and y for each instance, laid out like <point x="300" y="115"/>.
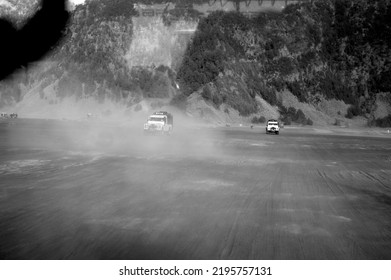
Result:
<point x="272" y="126"/>
<point x="159" y="122"/>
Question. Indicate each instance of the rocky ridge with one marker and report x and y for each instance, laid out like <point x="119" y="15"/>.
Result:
<point x="310" y="57"/>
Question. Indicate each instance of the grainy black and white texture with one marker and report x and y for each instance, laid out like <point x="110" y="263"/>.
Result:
<point x="90" y="185"/>
<point x="38" y="35"/>
<point x="234" y="193"/>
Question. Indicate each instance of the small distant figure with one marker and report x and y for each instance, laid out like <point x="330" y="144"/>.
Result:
<point x="252" y="126"/>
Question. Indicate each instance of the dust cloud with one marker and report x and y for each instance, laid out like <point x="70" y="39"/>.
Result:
<point x="117" y="136"/>
<point x="111" y="128"/>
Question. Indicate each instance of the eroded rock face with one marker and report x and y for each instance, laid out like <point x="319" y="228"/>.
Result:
<point x="311" y="50"/>
<point x="336" y="51"/>
<point x="97" y="59"/>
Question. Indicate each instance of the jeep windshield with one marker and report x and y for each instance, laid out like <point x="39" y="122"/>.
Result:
<point x="155" y="119"/>
<point x="273" y="123"/>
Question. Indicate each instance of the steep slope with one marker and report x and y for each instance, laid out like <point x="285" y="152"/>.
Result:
<point x="327" y="50"/>
<point x="320" y="62"/>
<point x="97" y="61"/>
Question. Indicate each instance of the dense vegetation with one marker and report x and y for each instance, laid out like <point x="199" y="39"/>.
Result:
<point x="336" y="49"/>
<point x="382" y="122"/>
<point x="289" y="115"/>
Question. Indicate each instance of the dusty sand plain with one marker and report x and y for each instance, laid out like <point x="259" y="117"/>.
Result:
<point x="78" y="190"/>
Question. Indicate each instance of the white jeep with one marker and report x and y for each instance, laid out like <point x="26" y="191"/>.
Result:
<point x="160" y="123"/>
<point x="272" y="126"/>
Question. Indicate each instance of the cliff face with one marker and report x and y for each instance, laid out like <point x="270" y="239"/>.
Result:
<point x="310" y="56"/>
<point x="101" y="58"/>
<point x="322" y="51"/>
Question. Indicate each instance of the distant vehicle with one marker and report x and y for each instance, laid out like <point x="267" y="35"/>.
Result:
<point x="4" y="115"/>
<point x="14" y="116"/>
<point x="160" y="123"/>
<point x="91" y="116"/>
<point x="272" y="126"/>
